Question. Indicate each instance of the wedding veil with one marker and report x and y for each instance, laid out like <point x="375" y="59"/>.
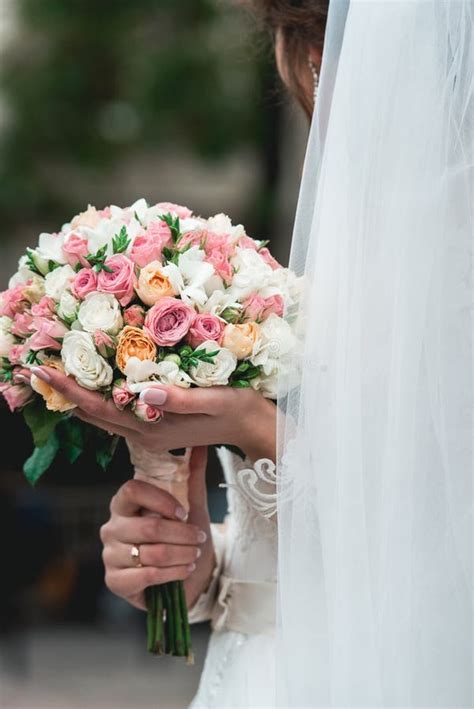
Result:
<point x="375" y="439"/>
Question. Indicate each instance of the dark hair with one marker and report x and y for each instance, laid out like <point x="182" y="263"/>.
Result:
<point x="302" y="24"/>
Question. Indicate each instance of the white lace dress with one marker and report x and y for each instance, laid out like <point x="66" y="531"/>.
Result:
<point x="240" y="602"/>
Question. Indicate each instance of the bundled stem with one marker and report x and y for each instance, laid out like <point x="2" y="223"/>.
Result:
<point x="168" y="631"/>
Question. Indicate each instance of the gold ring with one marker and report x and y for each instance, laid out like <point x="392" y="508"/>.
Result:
<point x="135" y="554"/>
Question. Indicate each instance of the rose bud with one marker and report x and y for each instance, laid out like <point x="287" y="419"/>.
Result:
<point x="105" y="343"/>
<point x="145" y="412"/>
<point x="134" y="315"/>
<point x="121" y="394"/>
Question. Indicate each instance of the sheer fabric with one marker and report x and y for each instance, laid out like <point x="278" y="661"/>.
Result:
<point x="375" y="464"/>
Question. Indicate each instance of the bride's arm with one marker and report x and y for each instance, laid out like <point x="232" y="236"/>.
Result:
<point x="193" y="417"/>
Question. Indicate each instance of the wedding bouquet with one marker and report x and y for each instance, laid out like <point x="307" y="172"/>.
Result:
<point x="121" y="298"/>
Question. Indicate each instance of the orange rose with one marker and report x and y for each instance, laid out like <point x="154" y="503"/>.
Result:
<point x="133" y="342"/>
<point x="240" y="339"/>
<point x="153" y="284"/>
<point x="54" y="400"/>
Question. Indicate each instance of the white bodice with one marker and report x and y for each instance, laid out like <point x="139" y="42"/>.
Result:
<point x="241" y="596"/>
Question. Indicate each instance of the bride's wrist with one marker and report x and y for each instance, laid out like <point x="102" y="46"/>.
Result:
<point x="257" y="431"/>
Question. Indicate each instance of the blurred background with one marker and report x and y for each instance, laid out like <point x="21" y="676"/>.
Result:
<point x="106" y="101"/>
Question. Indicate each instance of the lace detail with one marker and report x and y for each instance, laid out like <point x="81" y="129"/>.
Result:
<point x="258" y="486"/>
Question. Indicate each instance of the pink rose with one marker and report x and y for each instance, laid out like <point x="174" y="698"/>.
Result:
<point x="76" y="249"/>
<point x="218" y="252"/>
<point x="104" y="343"/>
<point x="44" y="309"/>
<point x="16" y="395"/>
<point x="13" y="301"/>
<point x="47" y="334"/>
<point x="245" y="242"/>
<point x="120" y="282"/>
<point x="160" y="232"/>
<point x="168" y="321"/>
<point x="145" y="412"/>
<point x="17" y="353"/>
<point x="195" y="238"/>
<point x="121" y="394"/>
<point x="206" y="326"/>
<point x="134" y="316"/>
<point x="274" y="304"/>
<point x="222" y="265"/>
<point x="268" y="258"/>
<point x="84" y="283"/>
<point x="254" y="307"/>
<point x="145" y="249"/>
<point x="22" y="324"/>
<point x="182" y="212"/>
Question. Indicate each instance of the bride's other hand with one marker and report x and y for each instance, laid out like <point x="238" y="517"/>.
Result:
<point x="169" y="548"/>
<point x="193" y="417"/>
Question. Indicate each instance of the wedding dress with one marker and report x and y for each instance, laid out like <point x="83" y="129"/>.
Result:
<point x="241" y="599"/>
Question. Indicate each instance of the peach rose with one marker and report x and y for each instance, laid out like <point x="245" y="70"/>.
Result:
<point x="153" y="284"/>
<point x="240" y="339"/>
<point x="54" y="400"/>
<point x="133" y="342"/>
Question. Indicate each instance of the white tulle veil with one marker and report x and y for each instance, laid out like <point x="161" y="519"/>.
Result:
<point x="376" y="501"/>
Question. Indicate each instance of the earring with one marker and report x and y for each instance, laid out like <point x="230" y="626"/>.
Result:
<point x="315" y="79"/>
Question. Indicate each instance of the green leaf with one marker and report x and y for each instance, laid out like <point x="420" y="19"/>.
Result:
<point x="41" y="459"/>
<point x="41" y="421"/>
<point x="173" y="223"/>
<point x="30" y="262"/>
<point x="105" y="449"/>
<point x="120" y="242"/>
<point x="32" y="357"/>
<point x="97" y="260"/>
<point x="53" y="265"/>
<point x="72" y="438"/>
<point x="240" y="384"/>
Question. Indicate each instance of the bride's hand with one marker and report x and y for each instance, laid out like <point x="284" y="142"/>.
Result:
<point x="214" y="415"/>
<point x="170" y="549"/>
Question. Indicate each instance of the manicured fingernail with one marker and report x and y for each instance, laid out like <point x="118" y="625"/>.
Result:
<point x="198" y="553"/>
<point x="21" y="378"/>
<point x="191" y="567"/>
<point x="202" y="536"/>
<point x="154" y="397"/>
<point x="41" y="374"/>
<point x="181" y="513"/>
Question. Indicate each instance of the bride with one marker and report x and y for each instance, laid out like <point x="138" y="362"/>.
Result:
<point x="351" y="587"/>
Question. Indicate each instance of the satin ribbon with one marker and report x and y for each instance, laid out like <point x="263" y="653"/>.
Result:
<point x="247" y="607"/>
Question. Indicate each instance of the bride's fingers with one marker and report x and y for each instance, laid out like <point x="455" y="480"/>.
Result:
<point x="118" y="556"/>
<point x="90" y="402"/>
<point x="131" y="582"/>
<point x="151" y="530"/>
<point x="104" y="425"/>
<point x="135" y="495"/>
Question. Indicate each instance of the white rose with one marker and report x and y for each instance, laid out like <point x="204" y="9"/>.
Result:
<point x="7" y="340"/>
<point x="216" y="373"/>
<point x="67" y="308"/>
<point x="221" y="224"/>
<point x="100" y="311"/>
<point x="56" y="282"/>
<point x="141" y="374"/>
<point x="50" y="248"/>
<point x="252" y="274"/>
<point x="82" y="361"/>
<point x="276" y="341"/>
